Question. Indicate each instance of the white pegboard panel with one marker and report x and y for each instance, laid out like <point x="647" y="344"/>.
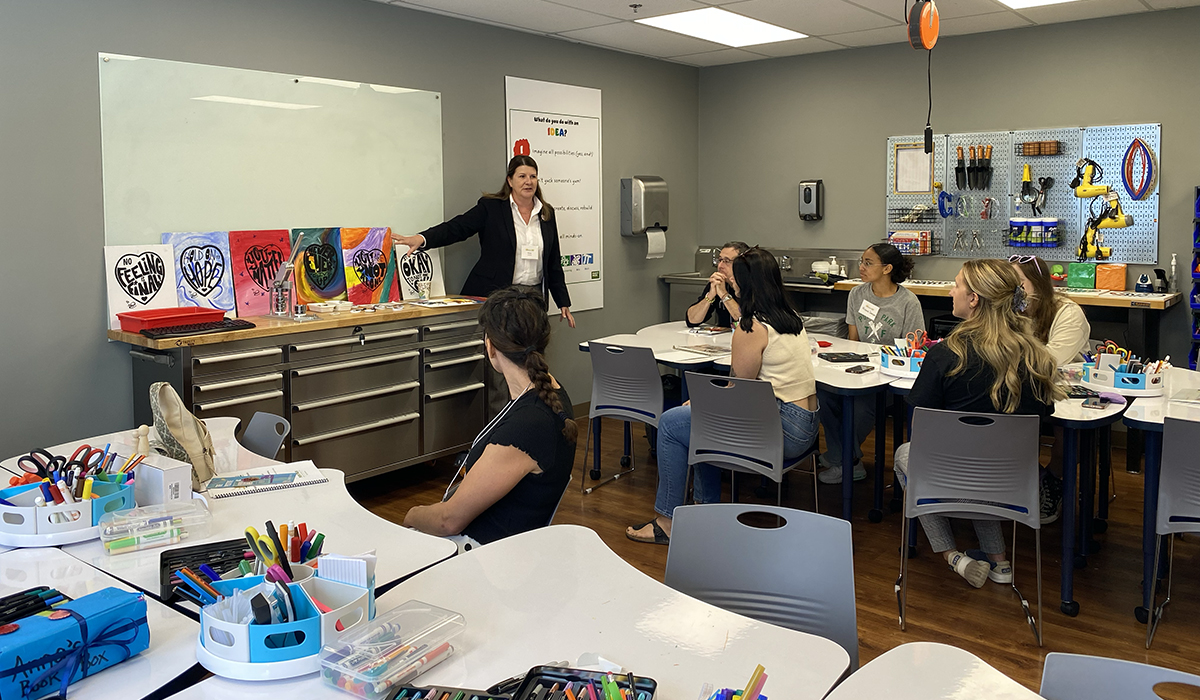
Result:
<point x="1061" y="201"/>
<point x="908" y="201"/>
<point x="970" y="235"/>
<point x="1107" y="146"/>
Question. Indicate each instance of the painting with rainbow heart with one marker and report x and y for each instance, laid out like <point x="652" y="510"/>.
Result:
<point x="321" y="276"/>
<point x="202" y="273"/>
<point x="256" y="257"/>
<point x="370" y="267"/>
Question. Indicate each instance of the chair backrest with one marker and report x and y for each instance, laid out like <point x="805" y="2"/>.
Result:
<point x="1083" y="677"/>
<point x="265" y="434"/>
<point x="799" y="575"/>
<point x="735" y="424"/>
<point x="981" y="464"/>
<point x="625" y="383"/>
<point x="1179" y="480"/>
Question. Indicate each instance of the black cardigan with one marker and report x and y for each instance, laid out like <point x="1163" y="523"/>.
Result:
<point x="492" y="219"/>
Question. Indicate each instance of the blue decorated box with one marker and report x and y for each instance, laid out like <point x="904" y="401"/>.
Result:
<point x="43" y="656"/>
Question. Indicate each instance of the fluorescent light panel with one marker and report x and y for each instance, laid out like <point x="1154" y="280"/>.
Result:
<point x="329" y="81"/>
<point x="723" y="27"/>
<point x="253" y="103"/>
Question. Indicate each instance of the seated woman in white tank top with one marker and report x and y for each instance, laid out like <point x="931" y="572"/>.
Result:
<point x="769" y="343"/>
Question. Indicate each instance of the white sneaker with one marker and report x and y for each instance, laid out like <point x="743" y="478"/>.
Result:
<point x="973" y="570"/>
<point x="998" y="571"/>
<point x="833" y="475"/>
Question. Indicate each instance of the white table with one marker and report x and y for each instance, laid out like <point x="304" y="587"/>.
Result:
<point x="172" y="635"/>
<point x="662" y="339"/>
<point x="929" y="671"/>
<point x="348" y="527"/>
<point x="558" y="592"/>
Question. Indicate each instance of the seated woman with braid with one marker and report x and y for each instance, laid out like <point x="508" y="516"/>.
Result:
<point x="518" y="467"/>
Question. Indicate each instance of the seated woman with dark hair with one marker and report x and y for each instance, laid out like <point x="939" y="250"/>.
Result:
<point x="769" y="343"/>
<point x="518" y="467"/>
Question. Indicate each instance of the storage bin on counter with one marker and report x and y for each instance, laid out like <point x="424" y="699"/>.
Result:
<point x="57" y="524"/>
<point x="1121" y="382"/>
<point x="151" y="526"/>
<point x="902" y="366"/>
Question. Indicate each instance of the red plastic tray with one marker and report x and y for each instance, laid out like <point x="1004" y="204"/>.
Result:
<point x="135" y="321"/>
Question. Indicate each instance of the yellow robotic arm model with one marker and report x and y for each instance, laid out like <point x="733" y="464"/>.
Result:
<point x="1091" y="243"/>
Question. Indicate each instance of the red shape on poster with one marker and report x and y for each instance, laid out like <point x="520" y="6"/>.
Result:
<point x="521" y="147"/>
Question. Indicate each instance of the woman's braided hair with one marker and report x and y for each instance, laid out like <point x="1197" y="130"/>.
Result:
<point x="515" y="322"/>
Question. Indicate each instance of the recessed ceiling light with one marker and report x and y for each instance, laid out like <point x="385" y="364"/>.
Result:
<point x="1022" y="4"/>
<point x="253" y="103"/>
<point x="723" y="27"/>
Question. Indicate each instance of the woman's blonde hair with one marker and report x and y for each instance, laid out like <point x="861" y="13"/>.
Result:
<point x="1003" y="338"/>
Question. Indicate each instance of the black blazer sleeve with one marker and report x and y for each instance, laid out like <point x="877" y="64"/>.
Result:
<point x="552" y="272"/>
<point x="458" y="229"/>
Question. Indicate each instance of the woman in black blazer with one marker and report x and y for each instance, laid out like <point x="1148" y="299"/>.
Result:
<point x="529" y="257"/>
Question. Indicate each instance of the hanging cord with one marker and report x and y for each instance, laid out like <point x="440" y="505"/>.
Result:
<point x="929" y="76"/>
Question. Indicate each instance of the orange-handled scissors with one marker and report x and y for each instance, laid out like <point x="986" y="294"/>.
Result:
<point x="917" y="340"/>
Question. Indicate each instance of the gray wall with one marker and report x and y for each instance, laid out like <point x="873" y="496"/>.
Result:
<point x="59" y="378"/>
<point x="766" y="125"/>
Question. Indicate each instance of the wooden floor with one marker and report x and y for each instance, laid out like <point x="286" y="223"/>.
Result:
<point x="942" y="607"/>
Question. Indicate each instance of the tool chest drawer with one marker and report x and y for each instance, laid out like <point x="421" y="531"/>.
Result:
<point x="444" y="330"/>
<point x="208" y="389"/>
<point x="352" y="340"/>
<point x="364" y="446"/>
<point x="453" y="417"/>
<point x="337" y="412"/>
<point x="347" y="376"/>
<point x="232" y="357"/>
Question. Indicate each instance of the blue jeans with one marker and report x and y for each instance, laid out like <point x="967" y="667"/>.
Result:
<point x="674" y="432"/>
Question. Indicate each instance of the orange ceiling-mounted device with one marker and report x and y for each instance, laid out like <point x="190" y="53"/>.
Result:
<point x="923" y="25"/>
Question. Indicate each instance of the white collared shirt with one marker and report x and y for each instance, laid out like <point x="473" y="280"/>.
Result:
<point x="529" y="235"/>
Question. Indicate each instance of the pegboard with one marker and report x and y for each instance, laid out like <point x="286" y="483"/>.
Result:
<point x="987" y="238"/>
<point x="907" y="202"/>
<point x="1107" y="145"/>
<point x="968" y="234"/>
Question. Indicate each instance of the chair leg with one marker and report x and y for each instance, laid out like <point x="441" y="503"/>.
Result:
<point x="1156" y="611"/>
<point x="1037" y="538"/>
<point x="586" y="445"/>
<point x="1035" y="625"/>
<point x="687" y="487"/>
<point x="588" y="489"/>
<point x="902" y="580"/>
<point x="816" y="491"/>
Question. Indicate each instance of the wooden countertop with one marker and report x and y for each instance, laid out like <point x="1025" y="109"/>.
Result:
<point x="1083" y="297"/>
<point x="266" y="326"/>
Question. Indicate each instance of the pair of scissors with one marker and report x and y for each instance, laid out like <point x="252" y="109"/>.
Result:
<point x="1112" y="348"/>
<point x="83" y="456"/>
<point x="41" y="462"/>
<point x="262" y="547"/>
<point x="917" y="340"/>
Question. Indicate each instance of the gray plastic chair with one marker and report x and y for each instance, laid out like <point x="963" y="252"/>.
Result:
<point x="1178" y="502"/>
<point x="1083" y="677"/>
<point x="799" y="575"/>
<point x="625" y="385"/>
<point x="265" y="434"/>
<point x="981" y="466"/>
<point x="736" y="426"/>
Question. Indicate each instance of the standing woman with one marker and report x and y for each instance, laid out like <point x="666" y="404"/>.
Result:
<point x="518" y="239"/>
<point x="769" y="343"/>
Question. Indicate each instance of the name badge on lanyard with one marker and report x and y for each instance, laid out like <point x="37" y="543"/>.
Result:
<point x="529" y="252"/>
<point x="868" y="310"/>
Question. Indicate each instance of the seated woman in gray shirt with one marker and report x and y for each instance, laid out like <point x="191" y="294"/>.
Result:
<point x="879" y="311"/>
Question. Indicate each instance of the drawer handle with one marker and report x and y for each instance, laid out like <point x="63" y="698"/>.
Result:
<point x="356" y="340"/>
<point x="347" y="398"/>
<point x="234" y="356"/>
<point x="455" y="361"/>
<point x="456" y="346"/>
<point x="450" y="326"/>
<point x="320" y="437"/>
<point x="308" y="371"/>
<point x="452" y="392"/>
<point x="239" y="400"/>
<point x="237" y="382"/>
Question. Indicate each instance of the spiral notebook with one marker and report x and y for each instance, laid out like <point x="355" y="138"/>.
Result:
<point x="263" y="479"/>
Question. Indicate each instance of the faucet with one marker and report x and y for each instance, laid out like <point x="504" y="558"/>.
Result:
<point x="785" y="263"/>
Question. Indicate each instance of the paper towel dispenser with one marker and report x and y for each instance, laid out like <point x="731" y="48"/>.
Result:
<point x="812" y="200"/>
<point x="643" y="204"/>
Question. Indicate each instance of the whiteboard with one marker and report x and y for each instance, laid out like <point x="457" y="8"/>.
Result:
<point x="189" y="147"/>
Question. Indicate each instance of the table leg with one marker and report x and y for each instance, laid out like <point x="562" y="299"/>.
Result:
<point x="876" y="514"/>
<point x="847" y="451"/>
<point x="899" y="418"/>
<point x="1087" y="497"/>
<point x="1133" y="451"/>
<point x="628" y="444"/>
<point x="596" y="452"/>
<point x="1149" y="518"/>
<point x="1070" y="464"/>
<point x="1101" y="524"/>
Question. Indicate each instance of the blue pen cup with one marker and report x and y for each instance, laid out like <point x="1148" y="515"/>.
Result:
<point x="109" y="497"/>
<point x="284" y="641"/>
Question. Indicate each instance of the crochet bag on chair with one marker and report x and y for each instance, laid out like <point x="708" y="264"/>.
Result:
<point x="181" y="435"/>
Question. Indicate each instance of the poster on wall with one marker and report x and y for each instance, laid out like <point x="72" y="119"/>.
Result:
<point x="559" y="126"/>
<point x="138" y="277"/>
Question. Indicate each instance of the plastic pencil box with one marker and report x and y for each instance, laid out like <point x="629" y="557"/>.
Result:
<point x="1135" y="384"/>
<point x="25" y="524"/>
<point x="146" y="527"/>
<point x="540" y="679"/>
<point x="386" y="655"/>
<point x="252" y="652"/>
<point x="899" y="366"/>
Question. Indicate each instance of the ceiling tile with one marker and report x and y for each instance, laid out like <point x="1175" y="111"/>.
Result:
<point x="992" y="22"/>
<point x="649" y="8"/>
<point x="796" y="47"/>
<point x="718" y="58"/>
<point x="871" y="37"/>
<point x="638" y="38"/>
<point x="1168" y="4"/>
<point x="947" y="9"/>
<point x="1082" y="9"/>
<point x="812" y="17"/>
<point x="534" y="15"/>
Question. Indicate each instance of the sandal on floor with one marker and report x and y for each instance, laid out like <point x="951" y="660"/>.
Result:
<point x="660" y="537"/>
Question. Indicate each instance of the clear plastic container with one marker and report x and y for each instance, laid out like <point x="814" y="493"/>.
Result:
<point x="154" y="526"/>
<point x="392" y="650"/>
